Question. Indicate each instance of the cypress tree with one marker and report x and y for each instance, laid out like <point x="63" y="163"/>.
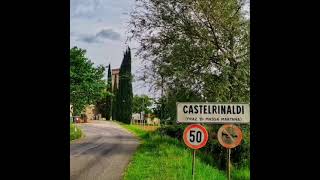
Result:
<point x="109" y="100"/>
<point x="129" y="93"/>
<point x="125" y="89"/>
<point x="119" y="99"/>
<point x="114" y="100"/>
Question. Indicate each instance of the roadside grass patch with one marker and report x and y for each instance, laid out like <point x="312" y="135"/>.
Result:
<point x="75" y="132"/>
<point x="161" y="157"/>
<point x="241" y="174"/>
<point x="136" y="130"/>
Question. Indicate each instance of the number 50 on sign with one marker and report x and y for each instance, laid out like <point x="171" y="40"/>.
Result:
<point x="195" y="136"/>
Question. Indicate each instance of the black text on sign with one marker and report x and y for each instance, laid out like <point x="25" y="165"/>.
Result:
<point x="195" y="136"/>
<point x="219" y="113"/>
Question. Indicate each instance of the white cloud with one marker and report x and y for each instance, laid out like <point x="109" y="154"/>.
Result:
<point x="100" y="36"/>
<point x="100" y="27"/>
<point x="108" y="34"/>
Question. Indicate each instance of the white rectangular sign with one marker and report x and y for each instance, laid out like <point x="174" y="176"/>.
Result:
<point x="219" y="113"/>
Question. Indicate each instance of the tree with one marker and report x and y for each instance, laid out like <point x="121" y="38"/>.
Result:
<point x="101" y="104"/>
<point x="109" y="99"/>
<point x="141" y="104"/>
<point x="196" y="45"/>
<point x="114" y="105"/>
<point x="124" y="98"/>
<point x="86" y="81"/>
<point x="194" y="50"/>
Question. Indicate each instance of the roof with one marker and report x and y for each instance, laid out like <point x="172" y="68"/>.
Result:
<point x="115" y="71"/>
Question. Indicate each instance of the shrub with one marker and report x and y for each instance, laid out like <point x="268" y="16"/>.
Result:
<point x="175" y="131"/>
<point x="240" y="156"/>
<point x="75" y="132"/>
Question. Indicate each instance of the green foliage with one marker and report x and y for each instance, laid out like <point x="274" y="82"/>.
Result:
<point x="162" y="157"/>
<point x="75" y="132"/>
<point x="141" y="104"/>
<point x="241" y="174"/>
<point x="174" y="131"/>
<point x="136" y="130"/>
<point x="114" y="105"/>
<point x="102" y="104"/>
<point x="124" y="95"/>
<point x="240" y="156"/>
<point x="166" y="105"/>
<point x="109" y="98"/>
<point x="193" y="50"/>
<point x="86" y="81"/>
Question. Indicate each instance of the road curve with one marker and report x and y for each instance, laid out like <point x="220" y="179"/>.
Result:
<point x="103" y="154"/>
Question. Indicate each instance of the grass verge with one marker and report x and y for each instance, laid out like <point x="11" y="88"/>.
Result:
<point x="136" y="130"/>
<point x="165" y="158"/>
<point x="75" y="132"/>
<point x="241" y="174"/>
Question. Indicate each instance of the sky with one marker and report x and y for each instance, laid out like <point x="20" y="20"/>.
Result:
<point x="100" y="27"/>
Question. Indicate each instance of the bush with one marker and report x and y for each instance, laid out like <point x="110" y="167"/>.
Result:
<point x="174" y="131"/>
<point x="240" y="174"/>
<point x="240" y="156"/>
<point x="75" y="132"/>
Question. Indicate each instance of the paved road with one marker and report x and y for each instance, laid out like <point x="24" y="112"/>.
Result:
<point x="103" y="154"/>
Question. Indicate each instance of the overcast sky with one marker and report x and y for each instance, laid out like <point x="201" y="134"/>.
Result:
<point x="100" y="26"/>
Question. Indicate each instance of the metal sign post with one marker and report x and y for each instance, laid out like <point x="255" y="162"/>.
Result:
<point x="195" y="137"/>
<point x="193" y="163"/>
<point x="229" y="136"/>
<point x="229" y="163"/>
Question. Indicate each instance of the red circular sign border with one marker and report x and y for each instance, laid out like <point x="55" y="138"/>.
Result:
<point x="230" y="146"/>
<point x="202" y="129"/>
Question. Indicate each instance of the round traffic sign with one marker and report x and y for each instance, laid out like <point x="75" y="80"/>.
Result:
<point x="229" y="136"/>
<point x="195" y="136"/>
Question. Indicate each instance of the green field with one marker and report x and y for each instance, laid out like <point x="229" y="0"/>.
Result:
<point x="165" y="158"/>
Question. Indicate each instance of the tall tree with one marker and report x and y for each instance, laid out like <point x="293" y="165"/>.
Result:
<point x="205" y="42"/>
<point x="86" y="81"/>
<point x="109" y="99"/>
<point x="194" y="50"/>
<point x="114" y="105"/>
<point x="125" y="89"/>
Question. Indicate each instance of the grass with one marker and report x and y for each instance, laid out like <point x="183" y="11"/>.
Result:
<point x="75" y="132"/>
<point x="136" y="130"/>
<point x="241" y="174"/>
<point x="164" y="158"/>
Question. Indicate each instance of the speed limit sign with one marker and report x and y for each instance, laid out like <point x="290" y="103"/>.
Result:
<point x="195" y="136"/>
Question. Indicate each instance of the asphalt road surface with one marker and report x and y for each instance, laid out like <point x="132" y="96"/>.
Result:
<point x="103" y="154"/>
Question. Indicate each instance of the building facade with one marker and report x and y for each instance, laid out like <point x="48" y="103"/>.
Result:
<point x="91" y="111"/>
<point x="115" y="76"/>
